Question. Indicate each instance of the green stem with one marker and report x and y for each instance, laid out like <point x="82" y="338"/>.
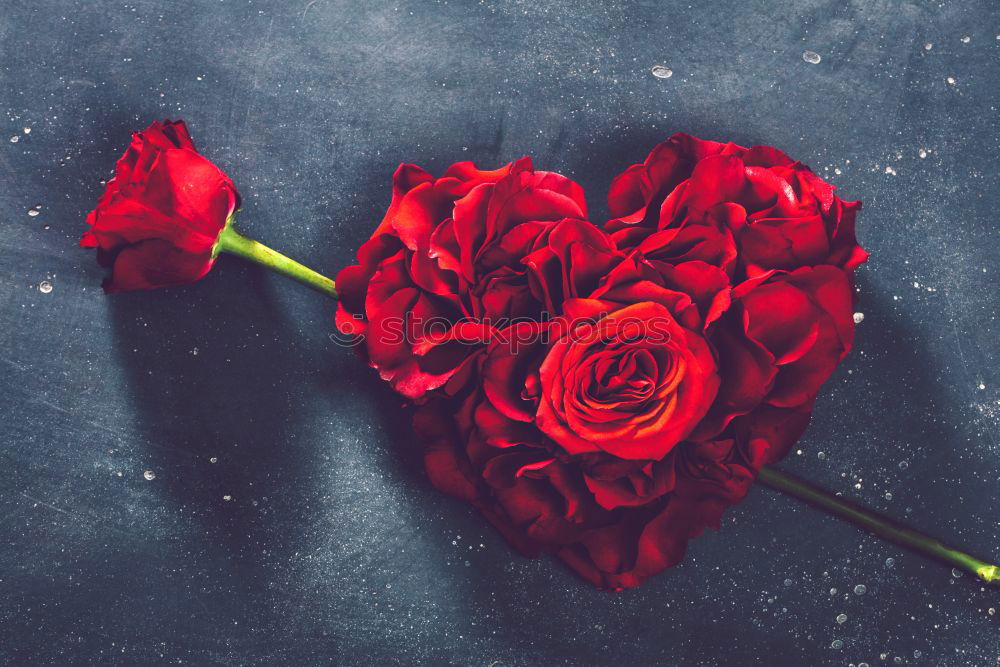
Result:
<point x="233" y="242"/>
<point x="881" y="525"/>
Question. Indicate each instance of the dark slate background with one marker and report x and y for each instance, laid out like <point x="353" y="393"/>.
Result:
<point x="289" y="520"/>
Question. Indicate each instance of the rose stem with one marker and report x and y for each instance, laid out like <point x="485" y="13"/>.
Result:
<point x="882" y="526"/>
<point x="233" y="242"/>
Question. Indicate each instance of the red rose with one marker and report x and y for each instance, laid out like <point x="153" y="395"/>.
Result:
<point x="630" y="381"/>
<point x="652" y="371"/>
<point x="745" y="210"/>
<point x="445" y="266"/>
<point x="158" y="220"/>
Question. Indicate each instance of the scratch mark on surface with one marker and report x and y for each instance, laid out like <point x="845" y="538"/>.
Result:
<point x="45" y="504"/>
<point x="306" y="9"/>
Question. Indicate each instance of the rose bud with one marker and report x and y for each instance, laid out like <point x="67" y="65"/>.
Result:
<point x="167" y="214"/>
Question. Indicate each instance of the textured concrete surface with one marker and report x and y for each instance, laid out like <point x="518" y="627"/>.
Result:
<point x="288" y="521"/>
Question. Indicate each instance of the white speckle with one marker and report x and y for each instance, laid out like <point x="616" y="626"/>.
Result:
<point x="982" y="386"/>
<point x="841" y="618"/>
<point x="15" y="139"/>
<point x="860" y="589"/>
<point x="811" y="57"/>
<point x="27" y="130"/>
<point x="950" y="80"/>
<point x="888" y="495"/>
<point x="966" y="39"/>
<point x="916" y="284"/>
<point x="890" y="171"/>
<point x="149" y="475"/>
<point x="32" y="212"/>
<point x="45" y="287"/>
<point x="837" y="171"/>
<point x="213" y="460"/>
<point x="662" y="72"/>
<point x="890" y="562"/>
<point x="194" y="351"/>
<point x="859" y="318"/>
<point x="227" y="498"/>
<point x="836" y="644"/>
<point x="922" y="153"/>
<point x="928" y="46"/>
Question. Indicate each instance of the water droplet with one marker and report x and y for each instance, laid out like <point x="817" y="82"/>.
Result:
<point x="45" y="287"/>
<point x="955" y="572"/>
<point x="860" y="589"/>
<point x="15" y="139"/>
<point x="928" y="46"/>
<point x="890" y="171"/>
<point x="836" y="644"/>
<point x="950" y="80"/>
<point x="966" y="39"/>
<point x="833" y="591"/>
<point x="788" y="582"/>
<point x="922" y="153"/>
<point x="842" y="618"/>
<point x="991" y="611"/>
<point x="859" y="318"/>
<point x="662" y="72"/>
<point x="888" y="496"/>
<point x="213" y="460"/>
<point x="811" y="57"/>
<point x="904" y="464"/>
<point x="917" y="653"/>
<point x="890" y="562"/>
<point x="862" y="664"/>
<point x="33" y="212"/>
<point x="149" y="475"/>
<point x="821" y="456"/>
<point x="27" y="130"/>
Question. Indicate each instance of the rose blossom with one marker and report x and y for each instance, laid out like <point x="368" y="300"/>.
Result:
<point x="456" y="257"/>
<point x="158" y="220"/>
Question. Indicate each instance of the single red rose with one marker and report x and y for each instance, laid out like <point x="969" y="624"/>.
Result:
<point x="632" y="382"/>
<point x="158" y="220"/>
<point x="445" y="267"/>
<point x="747" y="211"/>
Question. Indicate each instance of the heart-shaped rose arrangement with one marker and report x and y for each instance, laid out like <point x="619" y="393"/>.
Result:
<point x="602" y="394"/>
<point x="605" y="394"/>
